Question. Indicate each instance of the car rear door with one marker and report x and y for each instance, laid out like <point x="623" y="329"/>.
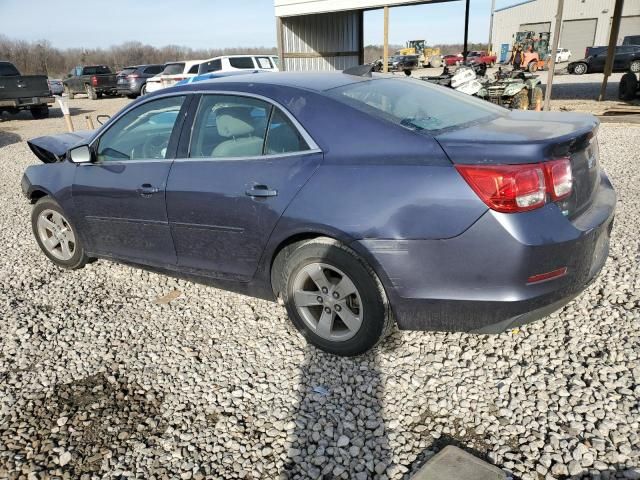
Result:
<point x="120" y="197"/>
<point x="245" y="160"/>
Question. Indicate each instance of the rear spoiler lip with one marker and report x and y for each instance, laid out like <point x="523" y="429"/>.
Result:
<point x="54" y="148"/>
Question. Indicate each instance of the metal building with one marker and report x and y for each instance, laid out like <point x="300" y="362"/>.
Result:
<point x="325" y="34"/>
<point x="585" y="23"/>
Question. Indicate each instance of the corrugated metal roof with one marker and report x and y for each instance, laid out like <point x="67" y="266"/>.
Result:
<point x="286" y="8"/>
<point x="514" y="5"/>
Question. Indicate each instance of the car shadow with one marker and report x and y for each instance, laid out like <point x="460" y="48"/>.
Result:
<point x="8" y="138"/>
<point x="54" y="112"/>
<point x="338" y="425"/>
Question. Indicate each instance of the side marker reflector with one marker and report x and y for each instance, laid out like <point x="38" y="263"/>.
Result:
<point x="543" y="277"/>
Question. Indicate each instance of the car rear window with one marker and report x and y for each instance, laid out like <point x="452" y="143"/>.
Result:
<point x="97" y="70"/>
<point x="8" y="70"/>
<point x="173" y="68"/>
<point x="415" y="104"/>
<point x="241" y="62"/>
<point x="128" y="71"/>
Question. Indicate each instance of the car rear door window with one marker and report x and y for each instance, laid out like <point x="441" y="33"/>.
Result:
<point x="142" y="133"/>
<point x="153" y="70"/>
<point x="283" y="136"/>
<point x="264" y="62"/>
<point x="228" y="126"/>
<point x="241" y="62"/>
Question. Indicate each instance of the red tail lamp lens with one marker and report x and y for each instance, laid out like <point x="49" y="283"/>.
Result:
<point x="519" y="188"/>
<point x="507" y="188"/>
<point x="559" y="178"/>
<point x="543" y="277"/>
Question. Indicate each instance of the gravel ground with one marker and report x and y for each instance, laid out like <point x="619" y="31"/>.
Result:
<point x="99" y="379"/>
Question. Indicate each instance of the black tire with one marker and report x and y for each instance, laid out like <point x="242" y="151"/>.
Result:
<point x="628" y="87"/>
<point x="91" y="92"/>
<point x="579" y="69"/>
<point x="377" y="318"/>
<point x="79" y="258"/>
<point x="533" y="66"/>
<point x="520" y="100"/>
<point x="40" y="112"/>
<point x="143" y="90"/>
<point x="635" y="66"/>
<point x="70" y="95"/>
<point x="131" y="96"/>
<point x="407" y="72"/>
<point x="99" y="95"/>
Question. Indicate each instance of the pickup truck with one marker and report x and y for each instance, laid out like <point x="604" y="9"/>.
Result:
<point x="21" y="92"/>
<point x="480" y="56"/>
<point x="94" y="80"/>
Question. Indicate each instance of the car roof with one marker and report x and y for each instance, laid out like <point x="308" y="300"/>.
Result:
<point x="318" y="81"/>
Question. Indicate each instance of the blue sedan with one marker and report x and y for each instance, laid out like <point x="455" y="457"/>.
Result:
<point x="358" y="201"/>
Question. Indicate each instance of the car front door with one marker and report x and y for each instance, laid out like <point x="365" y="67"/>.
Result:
<point x="597" y="61"/>
<point x="246" y="161"/>
<point x="622" y="58"/>
<point x="120" y="196"/>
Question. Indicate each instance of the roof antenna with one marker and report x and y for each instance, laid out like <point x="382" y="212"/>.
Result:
<point x="359" y="70"/>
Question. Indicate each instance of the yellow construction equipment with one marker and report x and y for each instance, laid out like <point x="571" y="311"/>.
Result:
<point x="428" y="57"/>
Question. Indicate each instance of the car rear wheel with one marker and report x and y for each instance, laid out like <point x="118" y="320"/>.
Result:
<point x="580" y="68"/>
<point x="40" y="112"/>
<point x="532" y="67"/>
<point x="70" y="95"/>
<point x="91" y="92"/>
<point x="628" y="87"/>
<point x="56" y="236"/>
<point x="635" y="66"/>
<point x="143" y="90"/>
<point x="332" y="296"/>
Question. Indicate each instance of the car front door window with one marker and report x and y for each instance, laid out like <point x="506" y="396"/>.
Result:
<point x="143" y="133"/>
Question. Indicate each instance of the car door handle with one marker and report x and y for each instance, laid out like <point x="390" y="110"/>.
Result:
<point x="146" y="190"/>
<point x="261" y="191"/>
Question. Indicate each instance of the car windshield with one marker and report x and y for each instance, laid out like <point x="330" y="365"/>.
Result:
<point x="173" y="68"/>
<point x="415" y="104"/>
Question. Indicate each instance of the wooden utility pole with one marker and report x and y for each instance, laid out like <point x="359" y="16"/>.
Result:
<point x="493" y="9"/>
<point x="465" y="50"/>
<point x="611" y="49"/>
<point x="385" y="50"/>
<point x="554" y="49"/>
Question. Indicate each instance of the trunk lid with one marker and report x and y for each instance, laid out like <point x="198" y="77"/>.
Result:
<point x="531" y="137"/>
<point x="54" y="148"/>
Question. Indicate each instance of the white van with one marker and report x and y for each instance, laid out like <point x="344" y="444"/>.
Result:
<point x="228" y="63"/>
<point x="173" y="73"/>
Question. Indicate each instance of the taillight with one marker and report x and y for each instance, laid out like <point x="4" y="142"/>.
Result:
<point x="519" y="188"/>
<point x="94" y="81"/>
<point x="559" y="178"/>
<point x="135" y="75"/>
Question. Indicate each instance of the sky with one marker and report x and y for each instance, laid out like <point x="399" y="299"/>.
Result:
<point x="218" y="23"/>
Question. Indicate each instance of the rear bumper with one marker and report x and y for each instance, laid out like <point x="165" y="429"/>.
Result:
<point x="24" y="102"/>
<point x="477" y="281"/>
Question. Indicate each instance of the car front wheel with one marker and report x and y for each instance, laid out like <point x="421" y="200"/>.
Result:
<point x="332" y="296"/>
<point x="580" y="68"/>
<point x="56" y="236"/>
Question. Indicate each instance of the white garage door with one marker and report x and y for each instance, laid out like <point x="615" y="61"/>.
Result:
<point x="535" y="27"/>
<point x="577" y="35"/>
<point x="628" y="26"/>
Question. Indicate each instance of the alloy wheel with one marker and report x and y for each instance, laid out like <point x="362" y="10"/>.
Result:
<point x="328" y="302"/>
<point x="56" y="235"/>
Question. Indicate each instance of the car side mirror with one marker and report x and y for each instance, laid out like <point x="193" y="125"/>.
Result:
<point x="81" y="154"/>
